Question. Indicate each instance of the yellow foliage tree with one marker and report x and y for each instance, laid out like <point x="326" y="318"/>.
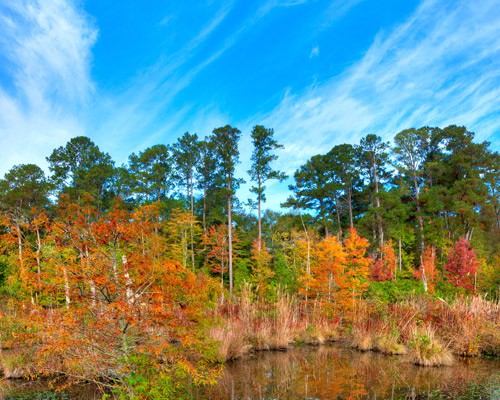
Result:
<point x="181" y="228"/>
<point x="261" y="268"/>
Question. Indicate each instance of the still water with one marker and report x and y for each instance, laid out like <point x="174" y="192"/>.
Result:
<point x="341" y="373"/>
<point x="330" y="372"/>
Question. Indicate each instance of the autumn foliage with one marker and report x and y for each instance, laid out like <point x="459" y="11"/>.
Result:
<point x="462" y="265"/>
<point x="107" y="295"/>
<point x="262" y="272"/>
<point x="427" y="270"/>
<point x="339" y="272"/>
<point x="384" y="266"/>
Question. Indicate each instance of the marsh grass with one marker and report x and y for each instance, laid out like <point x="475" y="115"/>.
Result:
<point x="252" y="324"/>
<point x="473" y="326"/>
<point x="427" y="350"/>
<point x="419" y="326"/>
<point x="232" y="341"/>
<point x="390" y="344"/>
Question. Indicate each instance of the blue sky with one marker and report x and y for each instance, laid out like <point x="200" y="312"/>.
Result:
<point x="133" y="74"/>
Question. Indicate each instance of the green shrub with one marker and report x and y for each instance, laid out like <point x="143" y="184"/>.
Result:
<point x="394" y="290"/>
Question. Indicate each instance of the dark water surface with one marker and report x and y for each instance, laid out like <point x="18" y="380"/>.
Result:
<point x="332" y="372"/>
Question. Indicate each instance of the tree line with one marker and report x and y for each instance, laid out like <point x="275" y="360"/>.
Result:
<point x="428" y="190"/>
<point x="415" y="201"/>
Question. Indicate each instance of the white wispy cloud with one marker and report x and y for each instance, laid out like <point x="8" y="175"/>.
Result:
<point x="440" y="67"/>
<point x="166" y="20"/>
<point x="269" y="5"/>
<point x="314" y="52"/>
<point x="49" y="95"/>
<point x="141" y="105"/>
<point x="46" y="77"/>
<point x="336" y="10"/>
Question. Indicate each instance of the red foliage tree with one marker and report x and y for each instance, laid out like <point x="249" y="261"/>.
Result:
<point x="461" y="265"/>
<point x="216" y="242"/>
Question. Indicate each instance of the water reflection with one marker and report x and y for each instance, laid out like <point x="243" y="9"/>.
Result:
<point x="324" y="373"/>
<point x="334" y="372"/>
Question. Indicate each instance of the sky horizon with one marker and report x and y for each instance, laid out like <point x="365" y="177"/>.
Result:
<point x="320" y="73"/>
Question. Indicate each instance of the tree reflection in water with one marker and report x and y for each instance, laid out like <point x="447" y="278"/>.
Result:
<point x="335" y="372"/>
<point x="328" y="372"/>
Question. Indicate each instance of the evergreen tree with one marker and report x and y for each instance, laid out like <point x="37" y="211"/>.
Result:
<point x="81" y="167"/>
<point x="151" y="173"/>
<point x="186" y="154"/>
<point x="225" y="140"/>
<point x="343" y="162"/>
<point x="261" y="171"/>
<point x="314" y="189"/>
<point x="374" y="158"/>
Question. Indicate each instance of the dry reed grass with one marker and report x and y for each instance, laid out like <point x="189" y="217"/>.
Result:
<point x="389" y="344"/>
<point x="469" y="326"/>
<point x="427" y="350"/>
<point x="362" y="339"/>
<point x="251" y="324"/>
<point x="232" y="341"/>
<point x="377" y="337"/>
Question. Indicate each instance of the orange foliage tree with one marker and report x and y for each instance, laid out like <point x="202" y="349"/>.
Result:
<point x="382" y="269"/>
<point x="331" y="263"/>
<point x="427" y="272"/>
<point x="353" y="282"/>
<point x="338" y="274"/>
<point x="113" y="300"/>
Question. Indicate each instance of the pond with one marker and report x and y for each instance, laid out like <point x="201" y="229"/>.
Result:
<point x="331" y="372"/>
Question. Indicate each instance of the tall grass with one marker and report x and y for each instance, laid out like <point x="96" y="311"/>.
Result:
<point x="429" y="329"/>
<point x="427" y="350"/>
<point x="253" y="324"/>
<point x="471" y="325"/>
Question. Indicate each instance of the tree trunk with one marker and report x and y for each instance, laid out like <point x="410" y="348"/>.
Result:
<point x="420" y="219"/>
<point x="323" y="217"/>
<point x="349" y="205"/>
<point x="424" y="278"/>
<point x="338" y="216"/>
<point x="93" y="291"/>
<point x="308" y="260"/>
<point x="38" y="258"/>
<point x="192" y="218"/>
<point x="66" y="287"/>
<point x="377" y="204"/>
<point x="113" y="265"/>
<point x="259" y="216"/>
<point x="230" y="238"/>
<point x="22" y="272"/>
<point x="128" y="282"/>
<point x="204" y="217"/>
<point x="400" y="258"/>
